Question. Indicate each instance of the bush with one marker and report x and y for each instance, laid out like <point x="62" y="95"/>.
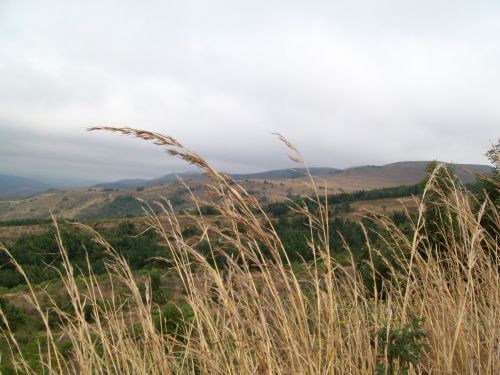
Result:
<point x="400" y="347"/>
<point x="175" y="318"/>
<point x="15" y="317"/>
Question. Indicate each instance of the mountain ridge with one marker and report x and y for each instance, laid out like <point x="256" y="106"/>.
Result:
<point x="102" y="202"/>
<point x="402" y="172"/>
<point x="291" y="173"/>
<point x="17" y="186"/>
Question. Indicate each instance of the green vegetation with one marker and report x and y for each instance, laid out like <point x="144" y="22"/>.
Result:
<point x="487" y="188"/>
<point x="40" y="258"/>
<point x="15" y="223"/>
<point x="303" y="290"/>
<point x="120" y="206"/>
<point x="341" y="202"/>
<point x="400" y="347"/>
<point x="392" y="192"/>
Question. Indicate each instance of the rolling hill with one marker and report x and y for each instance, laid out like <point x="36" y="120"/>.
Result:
<point x="141" y="182"/>
<point x="395" y="174"/>
<point x="285" y="174"/>
<point x="15" y="186"/>
<point x="276" y="174"/>
<point x="117" y="199"/>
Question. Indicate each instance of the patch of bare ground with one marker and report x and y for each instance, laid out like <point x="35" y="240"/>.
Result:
<point x="381" y="206"/>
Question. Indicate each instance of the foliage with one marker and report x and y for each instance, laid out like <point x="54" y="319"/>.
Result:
<point x="342" y="208"/>
<point x="208" y="210"/>
<point x="247" y="308"/>
<point x="400" y="347"/>
<point x="175" y="318"/>
<point x="39" y="255"/>
<point x="489" y="189"/>
<point x="277" y="209"/>
<point x="190" y="231"/>
<point x="440" y="182"/>
<point x="341" y="202"/>
<point x="362" y="195"/>
<point x="21" y="222"/>
<point x="14" y="316"/>
<point x="120" y="206"/>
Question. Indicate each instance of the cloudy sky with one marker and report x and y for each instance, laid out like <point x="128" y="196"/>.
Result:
<point x="349" y="82"/>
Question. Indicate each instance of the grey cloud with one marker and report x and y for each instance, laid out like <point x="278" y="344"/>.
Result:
<point x="350" y="83"/>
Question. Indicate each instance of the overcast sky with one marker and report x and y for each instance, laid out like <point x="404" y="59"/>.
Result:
<point x="349" y="82"/>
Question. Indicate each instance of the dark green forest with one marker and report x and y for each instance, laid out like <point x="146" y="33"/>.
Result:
<point x="39" y="256"/>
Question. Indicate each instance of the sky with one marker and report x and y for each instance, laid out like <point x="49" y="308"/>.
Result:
<point x="348" y="82"/>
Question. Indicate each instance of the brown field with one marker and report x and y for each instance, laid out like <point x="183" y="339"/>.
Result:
<point x="9" y="235"/>
<point x="79" y="202"/>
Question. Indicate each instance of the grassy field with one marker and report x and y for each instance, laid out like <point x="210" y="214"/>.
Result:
<point x="420" y="295"/>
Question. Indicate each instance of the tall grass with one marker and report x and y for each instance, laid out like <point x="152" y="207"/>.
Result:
<point x="255" y="314"/>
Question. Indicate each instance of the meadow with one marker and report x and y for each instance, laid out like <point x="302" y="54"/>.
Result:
<point x="271" y="289"/>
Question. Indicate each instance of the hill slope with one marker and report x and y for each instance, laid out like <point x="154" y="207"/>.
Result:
<point x="395" y="174"/>
<point x="276" y="174"/>
<point x="15" y="186"/>
<point x="285" y="173"/>
<point x="118" y="199"/>
<point x="142" y="182"/>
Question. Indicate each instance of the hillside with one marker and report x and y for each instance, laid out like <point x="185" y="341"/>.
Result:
<point x="152" y="283"/>
<point x="276" y="174"/>
<point x="119" y="199"/>
<point x="142" y="182"/>
<point x="394" y="174"/>
<point x="285" y="173"/>
<point x="15" y="186"/>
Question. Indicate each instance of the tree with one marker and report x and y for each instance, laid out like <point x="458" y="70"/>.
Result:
<point x="440" y="182"/>
<point x="489" y="187"/>
<point x="490" y="184"/>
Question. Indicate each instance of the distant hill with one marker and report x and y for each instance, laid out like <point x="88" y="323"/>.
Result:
<point x="117" y="199"/>
<point x="15" y="186"/>
<point x="411" y="172"/>
<point x="394" y="174"/>
<point x="123" y="184"/>
<point x="141" y="182"/>
<point x="285" y="173"/>
<point x="174" y="177"/>
<point x="267" y="175"/>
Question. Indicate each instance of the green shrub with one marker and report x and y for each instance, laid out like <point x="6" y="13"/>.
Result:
<point x="176" y="317"/>
<point x="15" y="317"/>
<point x="400" y="347"/>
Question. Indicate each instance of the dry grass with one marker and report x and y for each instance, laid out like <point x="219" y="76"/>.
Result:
<point x="257" y="316"/>
<point x="10" y="234"/>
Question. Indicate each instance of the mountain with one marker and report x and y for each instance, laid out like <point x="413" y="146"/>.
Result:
<point x="363" y="177"/>
<point x="267" y="175"/>
<point x="175" y="177"/>
<point x="284" y="173"/>
<point x="141" y="182"/>
<point x="411" y="172"/>
<point x="395" y="174"/>
<point x="15" y="186"/>
<point x="271" y="186"/>
<point x="123" y="184"/>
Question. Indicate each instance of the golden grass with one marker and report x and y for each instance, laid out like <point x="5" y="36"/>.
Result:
<point x="257" y="316"/>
